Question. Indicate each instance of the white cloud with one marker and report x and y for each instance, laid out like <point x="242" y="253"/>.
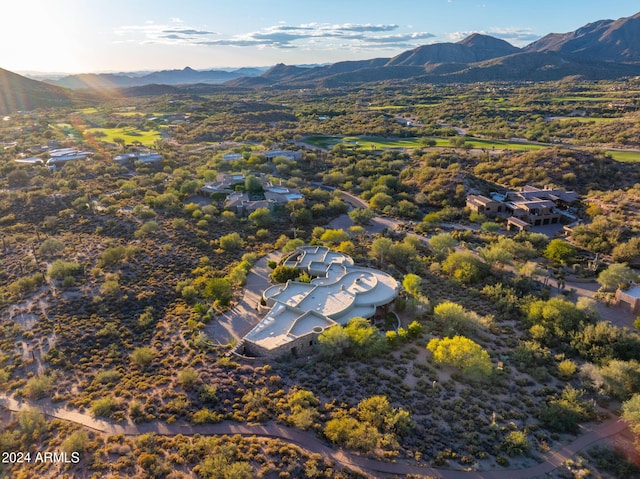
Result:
<point x="175" y="33"/>
<point x="281" y="36"/>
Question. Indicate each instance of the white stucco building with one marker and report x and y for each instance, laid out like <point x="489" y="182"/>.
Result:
<point x="299" y="311"/>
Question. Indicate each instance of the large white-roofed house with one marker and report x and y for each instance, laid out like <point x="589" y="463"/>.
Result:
<point x="300" y="312"/>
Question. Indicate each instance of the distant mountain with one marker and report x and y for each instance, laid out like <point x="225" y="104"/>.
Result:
<point x="605" y="49"/>
<point x="474" y="48"/>
<point x="21" y="93"/>
<point x="616" y="41"/>
<point x="186" y="76"/>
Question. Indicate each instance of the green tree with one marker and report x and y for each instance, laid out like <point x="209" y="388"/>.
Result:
<point x="380" y="201"/>
<point x="252" y="184"/>
<point x="349" y="432"/>
<point x="380" y="249"/>
<point x="60" y="269"/>
<point x="516" y="443"/>
<point x="560" y="252"/>
<point x="411" y="284"/>
<point x="631" y="413"/>
<point x="333" y="342"/>
<point x="462" y="353"/>
<point x="32" y="422"/>
<point x="292" y="245"/>
<point x="558" y="316"/>
<point x="51" y="247"/>
<point x="334" y="237"/>
<point x="563" y="413"/>
<point x="465" y="267"/>
<point x="442" y="244"/>
<point x="621" y="378"/>
<point x="617" y="275"/>
<point x="218" y="290"/>
<point x="283" y="273"/>
<point x="261" y="217"/>
<point x="365" y="339"/>
<point x="361" y="216"/>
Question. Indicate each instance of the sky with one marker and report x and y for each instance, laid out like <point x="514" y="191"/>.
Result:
<point x="82" y="36"/>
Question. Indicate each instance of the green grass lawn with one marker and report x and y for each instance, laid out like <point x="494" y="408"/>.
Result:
<point x="128" y="134"/>
<point x="625" y="156"/>
<point x="369" y="142"/>
<point x="596" y="120"/>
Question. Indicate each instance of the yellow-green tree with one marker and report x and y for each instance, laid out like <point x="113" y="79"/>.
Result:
<point x="462" y="353"/>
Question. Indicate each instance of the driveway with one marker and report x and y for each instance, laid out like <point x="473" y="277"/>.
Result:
<point x="235" y="323"/>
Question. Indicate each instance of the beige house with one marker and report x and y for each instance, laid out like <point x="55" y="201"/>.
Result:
<point x="526" y="208"/>
<point x="300" y="312"/>
<point x="631" y="297"/>
<point x="484" y="205"/>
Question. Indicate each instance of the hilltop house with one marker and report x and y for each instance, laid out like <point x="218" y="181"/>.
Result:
<point x="58" y="157"/>
<point x="529" y="207"/>
<point x="145" y="156"/>
<point x="300" y="312"/>
<point x="243" y="202"/>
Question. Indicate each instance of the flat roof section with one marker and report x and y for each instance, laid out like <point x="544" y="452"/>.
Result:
<point x="341" y="292"/>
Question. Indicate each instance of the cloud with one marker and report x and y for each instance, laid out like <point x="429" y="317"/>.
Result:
<point x="281" y="36"/>
<point x="175" y="34"/>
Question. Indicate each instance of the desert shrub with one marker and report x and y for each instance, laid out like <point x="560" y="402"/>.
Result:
<point x="562" y="414"/>
<point x="567" y="368"/>
<point x="147" y="228"/>
<point x="76" y="442"/>
<point x="51" y="247"/>
<point x="116" y="254"/>
<point x="515" y="444"/>
<point x="38" y="386"/>
<point x="26" y="284"/>
<point x="188" y="378"/>
<point x="60" y="269"/>
<point x="231" y="242"/>
<point x="142" y="357"/>
<point x="103" y="407"/>
<point x="108" y="376"/>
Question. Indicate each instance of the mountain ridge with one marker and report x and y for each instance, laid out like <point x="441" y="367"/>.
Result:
<point x="604" y="49"/>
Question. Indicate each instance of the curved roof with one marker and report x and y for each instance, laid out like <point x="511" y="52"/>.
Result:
<point x="340" y="292"/>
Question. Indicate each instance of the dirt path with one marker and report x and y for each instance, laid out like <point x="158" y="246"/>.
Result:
<point x="311" y="443"/>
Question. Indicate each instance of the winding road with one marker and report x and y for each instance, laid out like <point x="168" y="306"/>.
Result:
<point x="309" y="442"/>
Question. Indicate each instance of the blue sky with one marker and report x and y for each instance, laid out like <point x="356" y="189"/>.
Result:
<point x="128" y="35"/>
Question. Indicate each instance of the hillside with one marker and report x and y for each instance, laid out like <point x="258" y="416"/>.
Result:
<point x="605" y="49"/>
<point x="21" y="93"/>
<point x="606" y="40"/>
<point x="472" y="49"/>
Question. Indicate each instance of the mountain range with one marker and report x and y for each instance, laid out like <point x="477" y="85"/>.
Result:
<point x="606" y="49"/>
<point x="186" y="76"/>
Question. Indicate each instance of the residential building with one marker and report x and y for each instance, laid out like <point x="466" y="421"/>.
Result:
<point x="300" y="312"/>
<point x="528" y="207"/>
<point x="140" y="156"/>
<point x="59" y="157"/>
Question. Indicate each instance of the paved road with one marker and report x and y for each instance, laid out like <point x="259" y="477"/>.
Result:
<point x="311" y="443"/>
